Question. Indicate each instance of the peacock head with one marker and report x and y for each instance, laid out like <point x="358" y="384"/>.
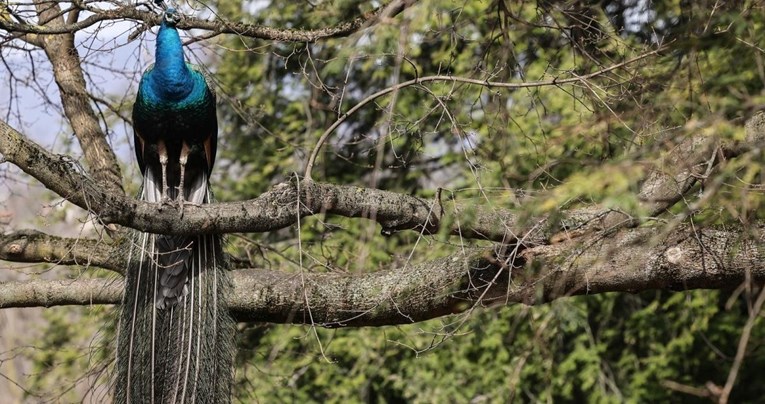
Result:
<point x="171" y="17"/>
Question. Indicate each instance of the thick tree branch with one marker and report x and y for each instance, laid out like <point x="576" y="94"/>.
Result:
<point x="601" y="260"/>
<point x="632" y="260"/>
<point x="277" y="208"/>
<point x="34" y="246"/>
<point x="58" y="173"/>
<point x="44" y="293"/>
<point x="67" y="70"/>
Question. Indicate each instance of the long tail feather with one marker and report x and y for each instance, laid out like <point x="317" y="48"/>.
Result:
<point x="173" y="262"/>
<point x="175" y="334"/>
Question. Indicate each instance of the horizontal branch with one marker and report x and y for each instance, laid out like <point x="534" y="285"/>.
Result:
<point x="633" y="260"/>
<point x="49" y="293"/>
<point x="33" y="246"/>
<point x="275" y="209"/>
<point x="217" y="26"/>
<point x="284" y="203"/>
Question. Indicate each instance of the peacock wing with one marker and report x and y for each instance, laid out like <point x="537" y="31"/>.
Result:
<point x="211" y="141"/>
<point x="139" y="138"/>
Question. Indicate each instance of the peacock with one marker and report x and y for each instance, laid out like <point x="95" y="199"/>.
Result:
<point x="175" y="334"/>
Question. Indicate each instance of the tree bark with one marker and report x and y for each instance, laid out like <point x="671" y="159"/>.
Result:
<point x="632" y="260"/>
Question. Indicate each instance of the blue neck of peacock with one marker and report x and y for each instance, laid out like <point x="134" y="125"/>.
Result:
<point x="172" y="78"/>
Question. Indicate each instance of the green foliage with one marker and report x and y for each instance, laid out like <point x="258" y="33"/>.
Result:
<point x="71" y="356"/>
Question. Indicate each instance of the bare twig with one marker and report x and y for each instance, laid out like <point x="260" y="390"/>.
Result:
<point x="452" y="79"/>
<point x="743" y="342"/>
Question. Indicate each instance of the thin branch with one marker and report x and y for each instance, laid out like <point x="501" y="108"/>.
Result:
<point x="218" y="26"/>
<point x="743" y="342"/>
<point x="451" y="79"/>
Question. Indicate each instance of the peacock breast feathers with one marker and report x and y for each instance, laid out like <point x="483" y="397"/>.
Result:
<point x="159" y="92"/>
<point x="160" y="113"/>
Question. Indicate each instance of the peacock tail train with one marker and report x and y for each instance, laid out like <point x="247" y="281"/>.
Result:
<point x="175" y="334"/>
<point x="182" y="354"/>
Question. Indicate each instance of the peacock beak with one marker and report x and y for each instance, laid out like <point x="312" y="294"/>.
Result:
<point x="172" y="17"/>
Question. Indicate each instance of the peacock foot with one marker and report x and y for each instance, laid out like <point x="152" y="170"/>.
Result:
<point x="167" y="202"/>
